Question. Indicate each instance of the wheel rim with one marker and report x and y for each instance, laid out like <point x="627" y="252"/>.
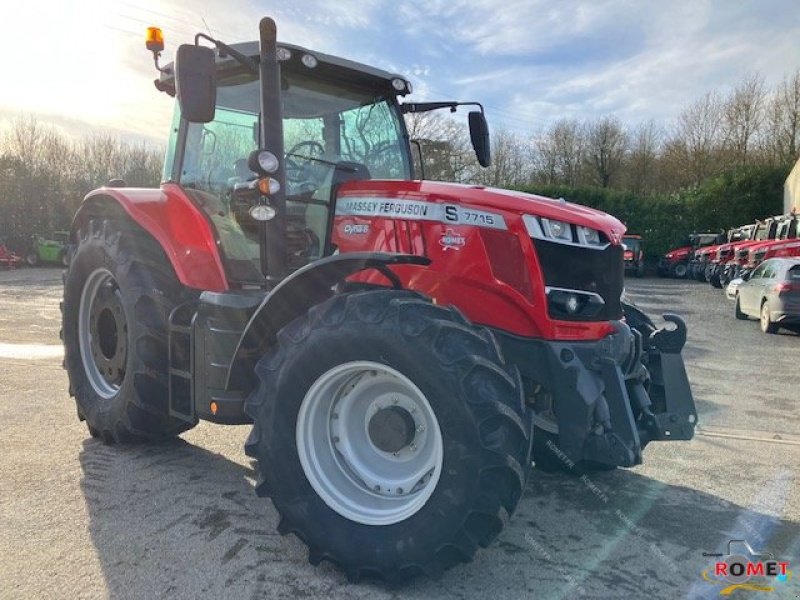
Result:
<point x="103" y="333"/>
<point x="764" y="316"/>
<point x="369" y="443"/>
<point x="680" y="270"/>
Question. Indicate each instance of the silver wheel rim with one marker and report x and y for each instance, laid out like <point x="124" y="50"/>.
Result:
<point x="97" y="354"/>
<point x="339" y="453"/>
<point x="764" y="316"/>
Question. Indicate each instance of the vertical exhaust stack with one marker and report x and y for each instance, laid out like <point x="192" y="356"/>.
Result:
<point x="273" y="232"/>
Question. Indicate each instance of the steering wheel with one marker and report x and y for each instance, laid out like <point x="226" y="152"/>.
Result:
<point x="297" y="169"/>
<point x="315" y="150"/>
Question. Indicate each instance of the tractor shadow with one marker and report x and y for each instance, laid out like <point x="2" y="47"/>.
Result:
<point x="177" y="520"/>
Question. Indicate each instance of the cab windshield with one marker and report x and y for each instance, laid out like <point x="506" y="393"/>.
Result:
<point x="324" y="124"/>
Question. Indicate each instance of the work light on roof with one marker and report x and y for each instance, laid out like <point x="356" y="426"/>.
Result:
<point x="309" y="60"/>
<point x="283" y="54"/>
<point x="399" y="84"/>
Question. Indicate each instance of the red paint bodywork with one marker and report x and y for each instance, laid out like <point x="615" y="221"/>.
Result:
<point x="775" y="249"/>
<point x="462" y="274"/>
<point x="492" y="276"/>
<point x="180" y="228"/>
<point x="678" y="254"/>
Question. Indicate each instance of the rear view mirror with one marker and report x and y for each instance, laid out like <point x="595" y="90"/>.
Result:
<point x="479" y="135"/>
<point x="196" y="83"/>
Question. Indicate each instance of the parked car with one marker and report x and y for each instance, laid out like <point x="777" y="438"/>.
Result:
<point x="52" y="250"/>
<point x="633" y="254"/>
<point x="771" y="294"/>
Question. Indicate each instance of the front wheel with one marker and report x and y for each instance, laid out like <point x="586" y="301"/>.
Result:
<point x="390" y="435"/>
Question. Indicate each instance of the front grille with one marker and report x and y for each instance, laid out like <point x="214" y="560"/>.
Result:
<point x="577" y="268"/>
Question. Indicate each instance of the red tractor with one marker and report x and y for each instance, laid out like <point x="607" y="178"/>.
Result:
<point x="786" y="245"/>
<point x="8" y="259"/>
<point x="780" y="228"/>
<point x="403" y="348"/>
<point x="680" y="261"/>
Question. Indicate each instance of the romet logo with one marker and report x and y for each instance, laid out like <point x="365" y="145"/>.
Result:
<point x="737" y="570"/>
<point x="451" y="240"/>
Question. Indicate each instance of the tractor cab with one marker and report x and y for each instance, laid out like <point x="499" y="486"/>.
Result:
<point x="340" y="121"/>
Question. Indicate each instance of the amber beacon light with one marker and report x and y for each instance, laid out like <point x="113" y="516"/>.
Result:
<point x="154" y="39"/>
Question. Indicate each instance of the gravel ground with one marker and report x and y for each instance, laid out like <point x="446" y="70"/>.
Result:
<point x="82" y="520"/>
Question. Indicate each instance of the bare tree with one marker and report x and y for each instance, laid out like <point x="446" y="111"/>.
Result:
<point x="696" y="144"/>
<point x="607" y="142"/>
<point x="782" y="136"/>
<point x="444" y="146"/>
<point x="560" y="153"/>
<point x="742" y="118"/>
<point x="509" y="168"/>
<point x="643" y="157"/>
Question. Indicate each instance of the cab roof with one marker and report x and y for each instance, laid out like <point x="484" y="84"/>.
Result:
<point x="328" y="66"/>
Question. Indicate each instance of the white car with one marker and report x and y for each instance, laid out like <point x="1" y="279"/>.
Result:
<point x="733" y="287"/>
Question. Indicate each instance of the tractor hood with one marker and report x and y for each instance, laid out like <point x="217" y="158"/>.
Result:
<point x="487" y="198"/>
<point x="678" y="252"/>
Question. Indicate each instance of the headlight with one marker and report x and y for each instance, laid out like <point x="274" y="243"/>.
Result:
<point x="557" y="230"/>
<point x="561" y="232"/>
<point x="590" y="236"/>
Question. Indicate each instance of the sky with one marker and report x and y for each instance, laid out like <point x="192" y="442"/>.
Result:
<point x="81" y="64"/>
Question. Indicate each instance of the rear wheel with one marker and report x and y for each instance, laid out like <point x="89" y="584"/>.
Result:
<point x="679" y="270"/>
<point x="767" y="326"/>
<point x="390" y="435"/>
<point x="32" y="258"/>
<point x="118" y="293"/>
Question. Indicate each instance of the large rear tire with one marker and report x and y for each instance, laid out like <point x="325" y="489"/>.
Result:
<point x="334" y="474"/>
<point x="118" y="293"/>
<point x="679" y="270"/>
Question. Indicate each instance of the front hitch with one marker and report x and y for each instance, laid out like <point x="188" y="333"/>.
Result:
<point x="676" y="417"/>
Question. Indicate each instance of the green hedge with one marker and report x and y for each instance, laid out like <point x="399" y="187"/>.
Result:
<point x="734" y="198"/>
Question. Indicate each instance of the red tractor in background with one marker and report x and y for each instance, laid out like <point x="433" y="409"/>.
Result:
<point x="678" y="261"/>
<point x="707" y="258"/>
<point x="786" y="246"/>
<point x="402" y="348"/>
<point x="633" y="255"/>
<point x="780" y="228"/>
<point x="725" y="253"/>
<point x="8" y="259"/>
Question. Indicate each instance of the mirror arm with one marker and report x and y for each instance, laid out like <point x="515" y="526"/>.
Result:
<point x="418" y="107"/>
<point x="243" y="60"/>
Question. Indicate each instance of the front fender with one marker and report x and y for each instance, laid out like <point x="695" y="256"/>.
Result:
<point x="170" y="217"/>
<point x="296" y="294"/>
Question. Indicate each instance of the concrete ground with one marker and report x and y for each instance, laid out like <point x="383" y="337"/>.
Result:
<point x="82" y="520"/>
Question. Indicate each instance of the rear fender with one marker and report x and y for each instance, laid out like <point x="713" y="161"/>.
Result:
<point x="170" y="217"/>
<point x="295" y="295"/>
